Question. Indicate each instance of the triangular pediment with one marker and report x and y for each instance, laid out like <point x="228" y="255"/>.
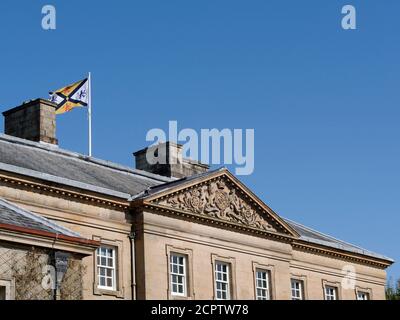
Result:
<point x="223" y="198"/>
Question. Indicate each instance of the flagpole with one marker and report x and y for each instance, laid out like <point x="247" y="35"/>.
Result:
<point x="90" y="114"/>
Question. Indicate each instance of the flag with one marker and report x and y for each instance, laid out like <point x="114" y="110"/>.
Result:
<point x="71" y="96"/>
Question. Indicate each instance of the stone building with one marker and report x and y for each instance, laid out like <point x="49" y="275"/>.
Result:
<point x="39" y="260"/>
<point x="171" y="231"/>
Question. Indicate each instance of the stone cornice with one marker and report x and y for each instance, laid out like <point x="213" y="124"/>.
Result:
<point x="197" y="218"/>
<point x="340" y="254"/>
<point x="295" y="243"/>
<point x="83" y="196"/>
<point x="231" y="200"/>
<point x="62" y="191"/>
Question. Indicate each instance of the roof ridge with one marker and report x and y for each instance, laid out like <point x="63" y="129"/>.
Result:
<point x="81" y="157"/>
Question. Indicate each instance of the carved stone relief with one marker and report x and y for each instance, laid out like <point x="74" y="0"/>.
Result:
<point x="217" y="200"/>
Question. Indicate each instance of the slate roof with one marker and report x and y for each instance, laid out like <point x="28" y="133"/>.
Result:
<point x="51" y="163"/>
<point x="313" y="236"/>
<point x="12" y="215"/>
<point x="54" y="164"/>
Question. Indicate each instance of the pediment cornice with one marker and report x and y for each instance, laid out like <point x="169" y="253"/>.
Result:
<point x="222" y="198"/>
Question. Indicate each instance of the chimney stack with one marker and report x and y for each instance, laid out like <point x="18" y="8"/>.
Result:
<point x="174" y="165"/>
<point x="34" y="120"/>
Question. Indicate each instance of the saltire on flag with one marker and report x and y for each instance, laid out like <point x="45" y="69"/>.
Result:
<point x="71" y="96"/>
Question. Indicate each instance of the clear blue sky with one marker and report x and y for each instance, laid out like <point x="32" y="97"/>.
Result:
<point x="324" y="102"/>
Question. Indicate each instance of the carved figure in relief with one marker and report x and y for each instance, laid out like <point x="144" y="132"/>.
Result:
<point x="218" y="200"/>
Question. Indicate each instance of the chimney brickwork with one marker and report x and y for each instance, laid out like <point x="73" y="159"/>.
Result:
<point x="34" y="120"/>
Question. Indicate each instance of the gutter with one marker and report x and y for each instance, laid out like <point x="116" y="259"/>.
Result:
<point x="52" y="235"/>
<point x="132" y="236"/>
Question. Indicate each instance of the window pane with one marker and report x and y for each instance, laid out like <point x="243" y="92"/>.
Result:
<point x="109" y="282"/>
<point x="330" y="293"/>
<point x="102" y="281"/>
<point x="106" y="267"/>
<point x="178" y="278"/>
<point x="362" y="296"/>
<point x="261" y="282"/>
<point x="222" y="281"/>
<point x="297" y="287"/>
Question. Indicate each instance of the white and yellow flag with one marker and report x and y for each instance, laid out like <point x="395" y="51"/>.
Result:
<point x="71" y="96"/>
